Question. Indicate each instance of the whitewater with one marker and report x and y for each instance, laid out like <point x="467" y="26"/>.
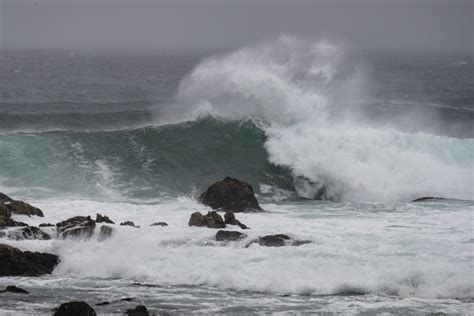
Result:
<point x="294" y="118"/>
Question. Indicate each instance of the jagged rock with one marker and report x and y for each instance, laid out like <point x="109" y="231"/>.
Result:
<point x="129" y="223"/>
<point x="22" y="208"/>
<point x="196" y="219"/>
<point x="75" y="309"/>
<point x="162" y="224"/>
<point x="229" y="235"/>
<point x="15" y="289"/>
<point x="5" y="198"/>
<point x="79" y="227"/>
<point x="14" y="262"/>
<point x="105" y="232"/>
<point x="231" y="195"/>
<point x="46" y="225"/>
<point x="140" y="310"/>
<point x="99" y="218"/>
<point x="229" y="218"/>
<point x="29" y="232"/>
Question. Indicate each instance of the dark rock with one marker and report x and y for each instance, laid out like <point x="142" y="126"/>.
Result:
<point x="427" y="198"/>
<point x="75" y="309"/>
<point x="15" y="289"/>
<point x="231" y="195"/>
<point x="5" y="198"/>
<point x="129" y="223"/>
<point x="22" y="208"/>
<point x="2" y="234"/>
<point x="29" y="232"/>
<point x="162" y="224"/>
<point x="229" y="218"/>
<point x="105" y="232"/>
<point x="14" y="262"/>
<point x="278" y="240"/>
<point x="102" y="303"/>
<point x="211" y="219"/>
<point x="5" y="216"/>
<point x="99" y="218"/>
<point x="229" y="235"/>
<point x="79" y="227"/>
<point x="127" y="299"/>
<point x="140" y="310"/>
<point x="214" y="220"/>
<point x="196" y="219"/>
<point x="46" y="225"/>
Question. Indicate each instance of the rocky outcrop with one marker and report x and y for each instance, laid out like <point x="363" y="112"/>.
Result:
<point x="211" y="220"/>
<point x="29" y="233"/>
<point x="23" y="208"/>
<point x="5" y="198"/>
<point x="229" y="235"/>
<point x="229" y="218"/>
<point x="99" y="218"/>
<point x="278" y="240"/>
<point x="14" y="262"/>
<point x="231" y="195"/>
<point x="105" y="232"/>
<point x="75" y="309"/>
<point x="140" y="310"/>
<point x="79" y="227"/>
<point x="162" y="224"/>
<point x="15" y="289"/>
<point x="129" y="223"/>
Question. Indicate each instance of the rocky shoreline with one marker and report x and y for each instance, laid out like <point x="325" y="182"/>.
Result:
<point x="228" y="196"/>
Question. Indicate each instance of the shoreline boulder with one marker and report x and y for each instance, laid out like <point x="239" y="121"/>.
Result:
<point x="14" y="262"/>
<point x="76" y="308"/>
<point x="23" y="208"/>
<point x="99" y="218"/>
<point x="231" y="194"/>
<point x="229" y="218"/>
<point x="78" y="227"/>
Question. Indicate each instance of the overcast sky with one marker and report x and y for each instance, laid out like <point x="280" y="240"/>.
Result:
<point x="440" y="25"/>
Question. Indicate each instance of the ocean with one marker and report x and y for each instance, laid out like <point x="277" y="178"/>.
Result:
<point x="336" y="144"/>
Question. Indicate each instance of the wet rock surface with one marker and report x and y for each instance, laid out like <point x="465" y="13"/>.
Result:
<point x="99" y="218"/>
<point x="139" y="310"/>
<point x="15" y="289"/>
<point x="78" y="227"/>
<point x="231" y="194"/>
<point x="277" y="240"/>
<point x="28" y="233"/>
<point x="129" y="223"/>
<point x="211" y="220"/>
<point x="105" y="232"/>
<point x="14" y="262"/>
<point x="162" y="224"/>
<point x="229" y="235"/>
<point x="229" y="218"/>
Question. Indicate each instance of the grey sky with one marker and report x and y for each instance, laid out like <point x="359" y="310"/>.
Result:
<point x="168" y="25"/>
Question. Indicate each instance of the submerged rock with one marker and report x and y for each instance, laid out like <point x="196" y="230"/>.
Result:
<point x="427" y="198"/>
<point x="15" y="289"/>
<point x="30" y="233"/>
<point x="75" y="309"/>
<point x="139" y="310"/>
<point x="229" y="235"/>
<point x="162" y="224"/>
<point x="278" y="240"/>
<point x="211" y="219"/>
<point x="231" y="195"/>
<point x="78" y="227"/>
<point x="99" y="218"/>
<point x="129" y="223"/>
<point x="229" y="218"/>
<point x="105" y="232"/>
<point x="14" y="262"/>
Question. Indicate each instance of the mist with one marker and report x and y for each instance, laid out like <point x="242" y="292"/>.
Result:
<point x="205" y="24"/>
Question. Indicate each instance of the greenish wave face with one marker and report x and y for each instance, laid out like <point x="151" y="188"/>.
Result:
<point x="145" y="163"/>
